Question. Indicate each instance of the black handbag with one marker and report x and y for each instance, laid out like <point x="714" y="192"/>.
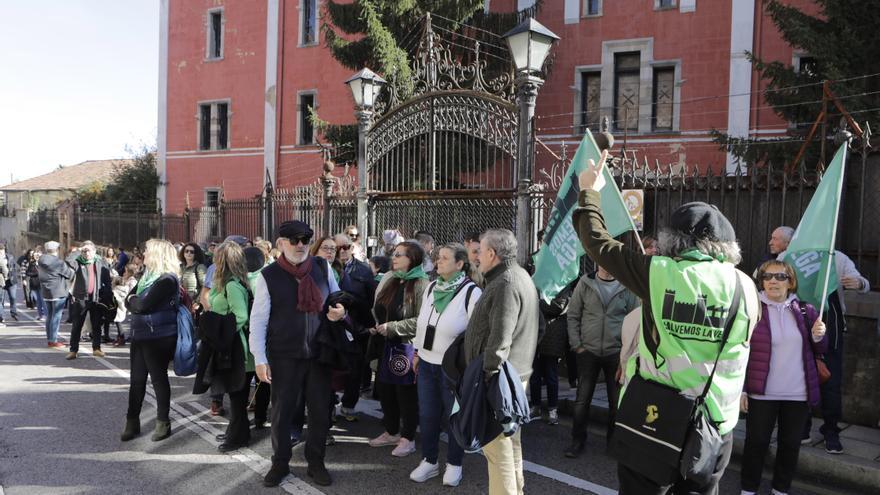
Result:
<point x="665" y="435"/>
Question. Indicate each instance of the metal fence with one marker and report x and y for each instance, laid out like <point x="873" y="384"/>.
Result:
<point x="43" y="224"/>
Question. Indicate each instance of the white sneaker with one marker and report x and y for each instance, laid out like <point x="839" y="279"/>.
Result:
<point x="404" y="448"/>
<point x="452" y="475"/>
<point x="384" y="440"/>
<point x="553" y="417"/>
<point x="424" y="472"/>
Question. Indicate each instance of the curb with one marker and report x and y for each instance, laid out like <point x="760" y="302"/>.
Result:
<point x="813" y="464"/>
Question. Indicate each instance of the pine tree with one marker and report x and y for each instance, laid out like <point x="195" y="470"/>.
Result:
<point x="840" y="46"/>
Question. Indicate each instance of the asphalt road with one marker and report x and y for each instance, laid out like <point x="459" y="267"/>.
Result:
<point x="60" y="423"/>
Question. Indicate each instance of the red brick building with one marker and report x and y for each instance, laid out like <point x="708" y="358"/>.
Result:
<point x="236" y="78"/>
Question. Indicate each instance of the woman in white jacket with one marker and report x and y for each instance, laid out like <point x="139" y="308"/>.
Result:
<point x="446" y="309"/>
<point x="121" y="287"/>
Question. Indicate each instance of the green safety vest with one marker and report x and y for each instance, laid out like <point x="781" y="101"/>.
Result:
<point x="690" y="297"/>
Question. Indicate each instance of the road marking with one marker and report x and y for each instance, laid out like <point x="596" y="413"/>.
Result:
<point x="370" y="408"/>
<point x="252" y="460"/>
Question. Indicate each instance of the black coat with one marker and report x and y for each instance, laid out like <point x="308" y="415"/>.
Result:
<point x="336" y="347"/>
<point x="221" y="354"/>
<point x="554" y="341"/>
<point x="103" y="290"/>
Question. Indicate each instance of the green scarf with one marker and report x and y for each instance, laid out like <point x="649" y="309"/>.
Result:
<point x="146" y="281"/>
<point x="84" y="261"/>
<point x="417" y="272"/>
<point x="445" y="290"/>
<point x="378" y="277"/>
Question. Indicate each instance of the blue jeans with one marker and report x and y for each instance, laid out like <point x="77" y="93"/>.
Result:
<point x="9" y="295"/>
<point x="545" y="371"/>
<point x="54" y="308"/>
<point x="435" y="404"/>
<point x="37" y="297"/>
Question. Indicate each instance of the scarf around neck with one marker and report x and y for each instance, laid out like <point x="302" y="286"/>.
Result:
<point x="415" y="273"/>
<point x="84" y="261"/>
<point x="309" y="298"/>
<point x="146" y="281"/>
<point x="444" y="290"/>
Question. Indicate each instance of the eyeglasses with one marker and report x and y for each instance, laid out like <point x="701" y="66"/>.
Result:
<point x="328" y="249"/>
<point x="353" y="235"/>
<point x="399" y="255"/>
<point x="345" y="248"/>
<point x="188" y="251"/>
<point x="782" y="277"/>
<point x="300" y="239"/>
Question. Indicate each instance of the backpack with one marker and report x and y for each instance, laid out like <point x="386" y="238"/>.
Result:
<point x="185" y="354"/>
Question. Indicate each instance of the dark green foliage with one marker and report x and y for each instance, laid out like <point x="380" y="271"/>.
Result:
<point x="133" y="186"/>
<point x="841" y="40"/>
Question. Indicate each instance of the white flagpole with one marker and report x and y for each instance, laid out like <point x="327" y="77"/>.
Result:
<point x="831" y="249"/>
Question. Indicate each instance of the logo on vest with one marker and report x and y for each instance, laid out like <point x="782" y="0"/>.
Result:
<point x="653" y="414"/>
<point x="695" y="321"/>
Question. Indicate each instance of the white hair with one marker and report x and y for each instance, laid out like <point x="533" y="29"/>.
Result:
<point x="786" y="232"/>
<point x="502" y="241"/>
<point x="672" y="243"/>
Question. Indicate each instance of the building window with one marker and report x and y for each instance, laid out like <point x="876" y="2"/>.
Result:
<point x="591" y="85"/>
<point x="309" y="24"/>
<point x="215" y="34"/>
<point x="663" y="98"/>
<point x="626" y="91"/>
<point x="306" y="130"/>
<point x="214" y="126"/>
<point x="592" y="7"/>
<point x="807" y="65"/>
<point x="212" y="213"/>
<point x="664" y="4"/>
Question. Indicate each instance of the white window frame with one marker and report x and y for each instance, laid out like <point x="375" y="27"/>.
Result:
<point x="214" y="138"/>
<point x="302" y="22"/>
<point x="300" y="115"/>
<point x="209" y="39"/>
<point x="585" y="5"/>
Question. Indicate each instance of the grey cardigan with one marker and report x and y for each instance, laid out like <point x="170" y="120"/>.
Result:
<point x="54" y="276"/>
<point x="593" y="325"/>
<point x="504" y="323"/>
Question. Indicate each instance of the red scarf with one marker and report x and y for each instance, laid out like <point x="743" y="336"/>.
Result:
<point x="309" y="296"/>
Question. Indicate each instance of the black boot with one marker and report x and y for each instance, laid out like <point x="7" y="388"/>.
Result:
<point x="575" y="449"/>
<point x="276" y="474"/>
<point x="162" y="430"/>
<point x="132" y="429"/>
<point x="318" y="472"/>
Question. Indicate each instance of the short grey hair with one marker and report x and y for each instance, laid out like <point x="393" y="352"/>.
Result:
<point x="672" y="243"/>
<point x="51" y="247"/>
<point x="342" y="237"/>
<point x="86" y="244"/>
<point x="502" y="241"/>
<point x="786" y="231"/>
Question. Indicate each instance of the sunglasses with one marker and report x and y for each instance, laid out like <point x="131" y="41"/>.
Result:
<point x="353" y="235"/>
<point x="305" y="240"/>
<point x="345" y="248"/>
<point x="188" y="251"/>
<point x="782" y="277"/>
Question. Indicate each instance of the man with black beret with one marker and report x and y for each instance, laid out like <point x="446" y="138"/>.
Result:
<point x="687" y="291"/>
<point x="289" y="297"/>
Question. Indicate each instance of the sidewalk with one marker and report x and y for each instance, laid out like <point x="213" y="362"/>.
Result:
<point x="858" y="467"/>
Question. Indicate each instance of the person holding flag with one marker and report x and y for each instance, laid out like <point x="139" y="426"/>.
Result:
<point x="692" y="317"/>
<point x="810" y="252"/>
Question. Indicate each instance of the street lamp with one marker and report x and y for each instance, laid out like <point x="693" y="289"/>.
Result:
<point x="365" y="86"/>
<point x="529" y="45"/>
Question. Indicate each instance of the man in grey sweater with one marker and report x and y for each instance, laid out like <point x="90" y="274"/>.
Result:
<point x="504" y="327"/>
<point x="54" y="276"/>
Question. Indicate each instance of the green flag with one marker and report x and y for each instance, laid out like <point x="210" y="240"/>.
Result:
<point x="557" y="261"/>
<point x="811" y="251"/>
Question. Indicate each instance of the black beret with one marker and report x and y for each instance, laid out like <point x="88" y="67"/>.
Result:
<point x="293" y="228"/>
<point x="703" y="221"/>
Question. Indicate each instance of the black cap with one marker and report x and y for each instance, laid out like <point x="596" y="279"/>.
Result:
<point x="238" y="239"/>
<point x="294" y="228"/>
<point x="703" y="221"/>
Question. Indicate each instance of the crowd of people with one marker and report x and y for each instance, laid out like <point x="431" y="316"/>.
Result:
<point x="307" y="322"/>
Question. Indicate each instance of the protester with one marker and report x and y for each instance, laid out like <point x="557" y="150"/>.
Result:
<point x="472" y="243"/>
<point x="398" y="302"/>
<point x="121" y="261"/>
<point x="835" y="318"/>
<point x="551" y="347"/>
<point x="503" y="328"/>
<point x="358" y="250"/>
<point x="359" y="282"/>
<point x="91" y="290"/>
<point x="192" y="270"/>
<point x="228" y="297"/>
<point x="288" y="304"/>
<point x="596" y="312"/>
<point x="325" y="247"/>
<point x="255" y="260"/>
<point x="391" y="238"/>
<point x="110" y="260"/>
<point x="782" y="381"/>
<point x="444" y="314"/>
<point x="428" y="244"/>
<point x="153" y="304"/>
<point x="31" y="285"/>
<point x="699" y="253"/>
<point x="266" y="248"/>
<point x="380" y="266"/>
<point x="10" y="283"/>
<point x="122" y="286"/>
<point x="650" y="245"/>
<point x="54" y="275"/>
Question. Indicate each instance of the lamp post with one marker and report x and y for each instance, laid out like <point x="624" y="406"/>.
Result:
<point x="365" y="86"/>
<point x="529" y="44"/>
